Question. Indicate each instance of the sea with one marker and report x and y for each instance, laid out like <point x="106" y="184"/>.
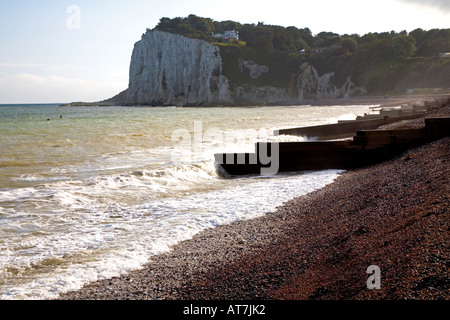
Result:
<point x="89" y="193"/>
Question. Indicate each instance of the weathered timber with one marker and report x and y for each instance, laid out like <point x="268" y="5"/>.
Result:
<point x="367" y="147"/>
<point x="347" y="128"/>
<point x="372" y="139"/>
<point x="343" y="129"/>
<point x="332" y="131"/>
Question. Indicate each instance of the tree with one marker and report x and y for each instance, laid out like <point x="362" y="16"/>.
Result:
<point x="419" y="35"/>
<point x="367" y="38"/>
<point x="282" y="39"/>
<point x="185" y="30"/>
<point x="404" y="46"/>
<point x="222" y="26"/>
<point x="203" y="25"/>
<point x="298" y="42"/>
<point x="259" y="36"/>
<point x="167" y="24"/>
<point x="350" y="44"/>
<point x="432" y="42"/>
<point x="326" y="39"/>
<point x="306" y="35"/>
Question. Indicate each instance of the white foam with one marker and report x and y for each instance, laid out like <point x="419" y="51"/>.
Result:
<point x="116" y="195"/>
<point x="28" y="177"/>
<point x="159" y="225"/>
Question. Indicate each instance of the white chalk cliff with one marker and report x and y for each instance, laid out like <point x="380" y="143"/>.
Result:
<point x="174" y="70"/>
<point x="312" y="86"/>
<point x="170" y="69"/>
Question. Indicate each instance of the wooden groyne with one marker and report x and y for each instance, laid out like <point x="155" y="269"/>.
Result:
<point x="335" y="130"/>
<point x="367" y="147"/>
<point x="347" y="128"/>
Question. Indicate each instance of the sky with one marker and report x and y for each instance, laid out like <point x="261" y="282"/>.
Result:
<point x="58" y="51"/>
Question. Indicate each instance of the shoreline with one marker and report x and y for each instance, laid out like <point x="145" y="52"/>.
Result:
<point x="394" y="215"/>
<point x="394" y="100"/>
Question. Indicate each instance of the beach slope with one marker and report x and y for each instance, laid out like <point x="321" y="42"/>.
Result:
<point x="393" y="215"/>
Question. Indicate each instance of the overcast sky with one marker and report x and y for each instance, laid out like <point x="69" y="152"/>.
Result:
<point x="79" y="50"/>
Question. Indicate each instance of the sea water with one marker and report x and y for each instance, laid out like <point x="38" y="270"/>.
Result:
<point x="88" y="193"/>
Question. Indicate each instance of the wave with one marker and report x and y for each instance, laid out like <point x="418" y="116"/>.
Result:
<point x="119" y="191"/>
<point x="100" y="240"/>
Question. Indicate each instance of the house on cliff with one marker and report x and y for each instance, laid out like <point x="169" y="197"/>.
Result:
<point x="229" y="34"/>
<point x="312" y="51"/>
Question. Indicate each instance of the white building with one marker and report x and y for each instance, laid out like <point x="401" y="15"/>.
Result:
<point x="229" y="34"/>
<point x="444" y="55"/>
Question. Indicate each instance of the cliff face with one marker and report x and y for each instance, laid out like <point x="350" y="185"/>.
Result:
<point x="169" y="69"/>
<point x="312" y="86"/>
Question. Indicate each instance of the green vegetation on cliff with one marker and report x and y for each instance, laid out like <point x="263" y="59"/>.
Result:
<point x="380" y="62"/>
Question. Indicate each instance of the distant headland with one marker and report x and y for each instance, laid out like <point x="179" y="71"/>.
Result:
<point x="195" y="61"/>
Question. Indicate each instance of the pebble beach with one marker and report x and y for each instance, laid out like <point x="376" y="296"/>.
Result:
<point x="393" y="215"/>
